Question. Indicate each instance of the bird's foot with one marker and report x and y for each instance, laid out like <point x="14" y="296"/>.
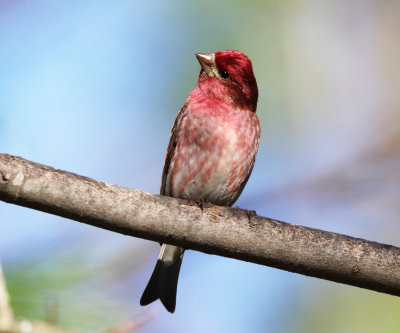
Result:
<point x="249" y="213"/>
<point x="201" y="203"/>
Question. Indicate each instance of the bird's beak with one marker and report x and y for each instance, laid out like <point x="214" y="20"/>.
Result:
<point x="207" y="62"/>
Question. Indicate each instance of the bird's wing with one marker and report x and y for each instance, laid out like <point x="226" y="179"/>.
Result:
<point x="171" y="148"/>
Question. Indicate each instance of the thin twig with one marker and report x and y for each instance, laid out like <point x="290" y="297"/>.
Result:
<point x="6" y="314"/>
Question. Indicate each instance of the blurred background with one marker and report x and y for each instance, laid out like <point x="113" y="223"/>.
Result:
<point x="93" y="87"/>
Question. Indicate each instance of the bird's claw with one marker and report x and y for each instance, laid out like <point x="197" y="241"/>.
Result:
<point x="201" y="203"/>
<point x="249" y="213"/>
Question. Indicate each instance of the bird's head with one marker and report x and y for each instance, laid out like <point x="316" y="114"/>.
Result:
<point x="229" y="74"/>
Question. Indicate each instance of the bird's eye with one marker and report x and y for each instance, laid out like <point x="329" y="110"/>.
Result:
<point x="224" y="74"/>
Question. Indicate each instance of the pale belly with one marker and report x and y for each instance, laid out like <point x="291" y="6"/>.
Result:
<point x="214" y="156"/>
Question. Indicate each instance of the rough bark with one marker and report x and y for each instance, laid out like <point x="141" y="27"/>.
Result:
<point x="210" y="229"/>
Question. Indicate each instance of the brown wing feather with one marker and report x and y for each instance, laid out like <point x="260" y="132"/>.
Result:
<point x="171" y="149"/>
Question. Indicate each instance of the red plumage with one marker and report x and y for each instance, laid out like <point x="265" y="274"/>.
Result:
<point x="211" y="152"/>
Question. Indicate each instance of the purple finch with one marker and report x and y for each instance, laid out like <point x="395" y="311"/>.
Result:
<point x="211" y="152"/>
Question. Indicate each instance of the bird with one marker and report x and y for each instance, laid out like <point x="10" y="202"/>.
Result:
<point x="211" y="152"/>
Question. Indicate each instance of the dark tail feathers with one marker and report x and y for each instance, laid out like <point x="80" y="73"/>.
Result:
<point x="164" y="280"/>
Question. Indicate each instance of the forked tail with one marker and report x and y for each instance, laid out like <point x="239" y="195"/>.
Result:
<point x="164" y="280"/>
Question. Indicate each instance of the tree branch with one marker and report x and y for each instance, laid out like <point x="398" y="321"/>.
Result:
<point x="215" y="230"/>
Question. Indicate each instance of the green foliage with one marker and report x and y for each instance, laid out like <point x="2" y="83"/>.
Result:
<point x="348" y="310"/>
<point x="65" y="289"/>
